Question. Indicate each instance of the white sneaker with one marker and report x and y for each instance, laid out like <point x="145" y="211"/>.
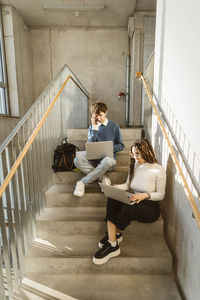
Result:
<point x="79" y="189"/>
<point x="106" y="180"/>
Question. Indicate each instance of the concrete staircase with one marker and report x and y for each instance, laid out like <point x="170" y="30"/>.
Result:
<point x="59" y="263"/>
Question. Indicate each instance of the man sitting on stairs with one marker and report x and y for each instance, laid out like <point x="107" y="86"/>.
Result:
<point x="100" y="129"/>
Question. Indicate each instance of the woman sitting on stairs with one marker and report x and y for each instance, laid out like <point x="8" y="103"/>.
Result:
<point x="147" y="180"/>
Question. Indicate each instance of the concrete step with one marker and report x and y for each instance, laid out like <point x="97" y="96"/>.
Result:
<point x="127" y="134"/>
<point x="85" y="265"/>
<point x="119" y="175"/>
<point x="88" y="287"/>
<point x="86" y="246"/>
<point x="85" y="221"/>
<point x="123" y="158"/>
<point x="61" y="195"/>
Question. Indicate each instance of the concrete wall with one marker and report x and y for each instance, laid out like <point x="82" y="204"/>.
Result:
<point x="176" y="85"/>
<point x="19" y="68"/>
<point x="96" y="56"/>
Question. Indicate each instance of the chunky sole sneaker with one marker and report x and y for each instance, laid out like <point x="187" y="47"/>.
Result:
<point x="104" y="240"/>
<point x="104" y="254"/>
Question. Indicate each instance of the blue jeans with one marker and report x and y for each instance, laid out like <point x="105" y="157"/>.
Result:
<point x="95" y="169"/>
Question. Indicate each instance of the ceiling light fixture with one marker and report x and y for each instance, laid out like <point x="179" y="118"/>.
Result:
<point x="74" y="8"/>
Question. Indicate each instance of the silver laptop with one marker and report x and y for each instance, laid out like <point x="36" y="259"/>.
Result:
<point x="99" y="150"/>
<point x="116" y="194"/>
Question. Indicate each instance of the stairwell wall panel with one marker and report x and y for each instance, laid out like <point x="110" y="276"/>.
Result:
<point x="96" y="56"/>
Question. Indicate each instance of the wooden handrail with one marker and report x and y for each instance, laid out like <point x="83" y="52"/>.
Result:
<point x="33" y="136"/>
<point x="175" y="159"/>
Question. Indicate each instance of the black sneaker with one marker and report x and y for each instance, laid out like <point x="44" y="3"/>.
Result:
<point x="104" y="240"/>
<point x="104" y="254"/>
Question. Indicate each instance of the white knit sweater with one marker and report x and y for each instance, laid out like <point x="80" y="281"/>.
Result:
<point x="148" y="178"/>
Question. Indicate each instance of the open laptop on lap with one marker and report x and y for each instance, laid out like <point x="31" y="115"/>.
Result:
<point x="116" y="194"/>
<point x="99" y="150"/>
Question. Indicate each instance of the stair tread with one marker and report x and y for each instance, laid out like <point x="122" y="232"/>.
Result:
<point x="86" y="246"/>
<point x="69" y="188"/>
<point x="118" y="175"/>
<point x="81" y="134"/>
<point x="98" y="287"/>
<point x="85" y="265"/>
<point x="77" y="214"/>
<point x="72" y="214"/>
<point x="117" y="169"/>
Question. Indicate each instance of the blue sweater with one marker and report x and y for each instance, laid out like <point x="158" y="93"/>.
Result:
<point x="111" y="132"/>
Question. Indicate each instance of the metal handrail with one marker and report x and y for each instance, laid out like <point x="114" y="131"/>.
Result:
<point x="32" y="137"/>
<point x="25" y="117"/>
<point x="26" y="173"/>
<point x="176" y="162"/>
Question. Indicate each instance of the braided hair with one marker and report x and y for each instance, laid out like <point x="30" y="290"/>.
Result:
<point x="147" y="153"/>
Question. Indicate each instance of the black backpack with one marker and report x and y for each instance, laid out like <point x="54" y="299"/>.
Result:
<point x="64" y="157"/>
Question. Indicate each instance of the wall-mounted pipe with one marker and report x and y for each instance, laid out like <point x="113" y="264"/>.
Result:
<point x="127" y="84"/>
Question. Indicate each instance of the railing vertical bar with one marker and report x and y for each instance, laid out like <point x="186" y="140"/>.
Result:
<point x="40" y="157"/>
<point x="42" y="153"/>
<point x="31" y="183"/>
<point x="27" y="195"/>
<point x="12" y="222"/>
<point x="48" y="145"/>
<point x="51" y="144"/>
<point x="35" y="177"/>
<point x="2" y="288"/>
<point x="53" y="136"/>
<point x="6" y="250"/>
<point x="23" y="209"/>
<point x="20" y="244"/>
<point x="45" y="138"/>
<point x="38" y="165"/>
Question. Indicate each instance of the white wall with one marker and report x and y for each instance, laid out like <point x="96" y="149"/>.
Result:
<point x="181" y="64"/>
<point x="19" y="68"/>
<point x="96" y="56"/>
<point x="176" y="82"/>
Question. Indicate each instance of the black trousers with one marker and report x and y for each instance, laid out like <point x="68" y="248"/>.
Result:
<point x="121" y="214"/>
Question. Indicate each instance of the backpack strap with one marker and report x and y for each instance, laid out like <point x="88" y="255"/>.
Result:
<point x="70" y="167"/>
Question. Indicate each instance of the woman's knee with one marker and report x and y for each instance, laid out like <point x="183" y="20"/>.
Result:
<point x="114" y="205"/>
<point x="146" y="212"/>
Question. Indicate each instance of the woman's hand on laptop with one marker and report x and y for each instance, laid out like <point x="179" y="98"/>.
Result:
<point x="137" y="198"/>
<point x="117" y="186"/>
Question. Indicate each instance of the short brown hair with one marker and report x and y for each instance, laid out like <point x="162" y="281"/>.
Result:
<point x="98" y="107"/>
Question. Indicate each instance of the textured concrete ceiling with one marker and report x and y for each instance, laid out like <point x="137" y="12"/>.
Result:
<point x="115" y="14"/>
